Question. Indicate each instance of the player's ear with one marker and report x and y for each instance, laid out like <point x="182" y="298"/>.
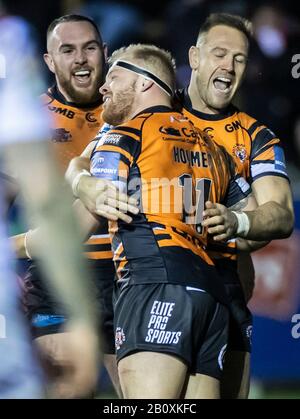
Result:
<point x="105" y="51"/>
<point x="146" y="85"/>
<point x="194" y="58"/>
<point x="49" y="61"/>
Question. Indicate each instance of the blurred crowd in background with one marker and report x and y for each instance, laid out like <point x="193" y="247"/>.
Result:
<point x="270" y="93"/>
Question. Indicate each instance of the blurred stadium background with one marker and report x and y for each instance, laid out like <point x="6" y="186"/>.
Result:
<point x="270" y="93"/>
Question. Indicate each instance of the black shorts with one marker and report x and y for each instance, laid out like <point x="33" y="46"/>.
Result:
<point x="175" y="319"/>
<point x="46" y="315"/>
<point x="240" y="322"/>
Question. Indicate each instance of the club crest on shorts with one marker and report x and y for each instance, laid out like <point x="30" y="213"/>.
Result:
<point x="240" y="152"/>
<point x="249" y="333"/>
<point x="119" y="338"/>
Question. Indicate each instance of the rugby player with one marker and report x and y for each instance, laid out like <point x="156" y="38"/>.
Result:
<point x="25" y="150"/>
<point x="170" y="305"/>
<point x="218" y="62"/>
<point x="77" y="57"/>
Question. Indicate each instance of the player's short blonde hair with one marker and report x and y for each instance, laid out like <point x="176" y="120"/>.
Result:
<point x="152" y="58"/>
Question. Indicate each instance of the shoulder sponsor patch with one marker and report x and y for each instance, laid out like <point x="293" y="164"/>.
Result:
<point x="110" y="138"/>
<point x="105" y="164"/>
<point x="279" y="158"/>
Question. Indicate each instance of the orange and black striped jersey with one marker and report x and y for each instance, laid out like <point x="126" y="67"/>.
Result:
<point x="73" y="128"/>
<point x="255" y="148"/>
<point x="172" y="168"/>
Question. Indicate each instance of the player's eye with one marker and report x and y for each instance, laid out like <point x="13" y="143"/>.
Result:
<point x="240" y="59"/>
<point x="219" y="53"/>
<point x="67" y="51"/>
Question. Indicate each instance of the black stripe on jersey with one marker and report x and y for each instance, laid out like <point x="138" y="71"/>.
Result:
<point x="221" y="248"/>
<point x="261" y="139"/>
<point x="124" y="159"/>
<point x="235" y="194"/>
<point x="102" y="228"/>
<point x="126" y="142"/>
<point x="115" y="242"/>
<point x="97" y="247"/>
<point x="262" y="161"/>
<point x="134" y="188"/>
<point x="263" y="149"/>
<point x="153" y="225"/>
<point x="162" y="237"/>
<point x="253" y="127"/>
<point x="128" y="129"/>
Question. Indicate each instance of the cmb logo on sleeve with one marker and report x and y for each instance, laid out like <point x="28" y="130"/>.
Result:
<point x="160" y="314"/>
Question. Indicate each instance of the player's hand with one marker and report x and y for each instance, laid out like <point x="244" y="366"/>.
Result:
<point x="77" y="364"/>
<point x="220" y="222"/>
<point x="102" y="197"/>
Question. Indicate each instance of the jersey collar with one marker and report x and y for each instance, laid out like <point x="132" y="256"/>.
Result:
<point x="57" y="95"/>
<point x="155" y="109"/>
<point x="185" y="101"/>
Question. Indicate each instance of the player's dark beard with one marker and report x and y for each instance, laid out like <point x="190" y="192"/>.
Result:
<point x="82" y="97"/>
<point x="120" y="109"/>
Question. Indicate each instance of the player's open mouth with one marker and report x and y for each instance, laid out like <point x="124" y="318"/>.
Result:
<point x="82" y="76"/>
<point x="223" y="84"/>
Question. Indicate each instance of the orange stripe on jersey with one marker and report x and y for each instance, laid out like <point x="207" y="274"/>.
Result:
<point x="175" y="239"/>
<point x="121" y="266"/>
<point x="106" y="147"/>
<point x="134" y="135"/>
<point x="119" y="251"/>
<point x="123" y="168"/>
<point x="100" y="240"/>
<point x="222" y="255"/>
<point x="99" y="255"/>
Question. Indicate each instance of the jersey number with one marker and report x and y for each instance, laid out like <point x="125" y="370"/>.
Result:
<point x="193" y="214"/>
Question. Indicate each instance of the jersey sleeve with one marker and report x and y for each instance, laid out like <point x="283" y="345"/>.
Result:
<point x="238" y="188"/>
<point x="113" y="155"/>
<point x="267" y="155"/>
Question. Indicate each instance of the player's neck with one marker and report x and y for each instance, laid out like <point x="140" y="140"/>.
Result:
<point x="161" y="100"/>
<point x="67" y="99"/>
<point x="198" y="104"/>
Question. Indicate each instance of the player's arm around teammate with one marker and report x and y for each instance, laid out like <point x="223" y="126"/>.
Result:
<point x="273" y="219"/>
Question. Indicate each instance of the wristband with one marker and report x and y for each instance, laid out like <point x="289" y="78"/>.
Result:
<point x="76" y="180"/>
<point x="243" y="224"/>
